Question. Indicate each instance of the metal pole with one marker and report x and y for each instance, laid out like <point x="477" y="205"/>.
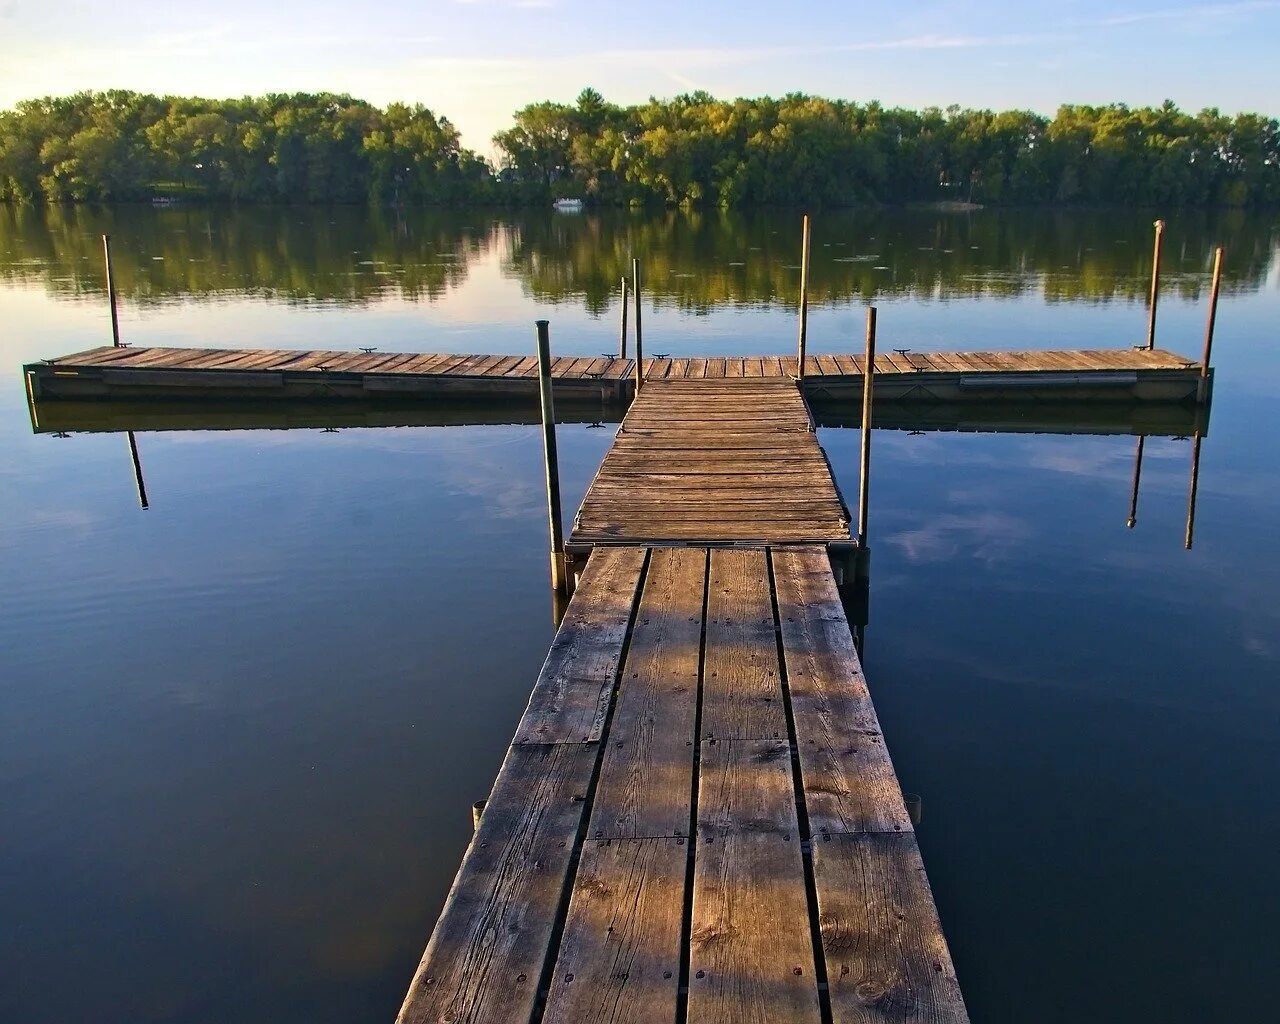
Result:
<point x="622" y="334"/>
<point x="559" y="576"/>
<point x="137" y="471"/>
<point x="1202" y="388"/>
<point x="864" y="462"/>
<point x="1155" y="285"/>
<point x="1137" y="476"/>
<point x="111" y="292"/>
<point x="804" y="294"/>
<point x="635" y="289"/>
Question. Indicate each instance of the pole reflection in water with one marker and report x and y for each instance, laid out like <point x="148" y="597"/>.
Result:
<point x="1137" y="478"/>
<point x="1191" y="494"/>
<point x="137" y="471"/>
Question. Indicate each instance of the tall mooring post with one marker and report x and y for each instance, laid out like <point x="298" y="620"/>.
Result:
<point x="864" y="459"/>
<point x="622" y="329"/>
<point x="111" y="292"/>
<point x="635" y="290"/>
<point x="1202" y="388"/>
<point x="559" y="571"/>
<point x="804" y="296"/>
<point x="1155" y="285"/>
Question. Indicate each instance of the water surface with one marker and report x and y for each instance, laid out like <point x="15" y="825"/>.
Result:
<point x="243" y="728"/>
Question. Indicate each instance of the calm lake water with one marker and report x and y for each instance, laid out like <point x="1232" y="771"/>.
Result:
<point x="242" y="730"/>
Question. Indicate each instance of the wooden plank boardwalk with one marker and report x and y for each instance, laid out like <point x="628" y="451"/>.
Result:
<point x="1093" y="374"/>
<point x="718" y="460"/>
<point x="697" y="820"/>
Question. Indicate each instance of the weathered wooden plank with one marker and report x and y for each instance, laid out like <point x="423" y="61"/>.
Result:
<point x="619" y="369"/>
<point x="741" y="687"/>
<point x="491" y="943"/>
<point x="886" y="957"/>
<point x="750" y="956"/>
<point x="522" y="367"/>
<point x="571" y="697"/>
<point x="702" y="508"/>
<point x="849" y="782"/>
<point x="471" y="366"/>
<point x="259" y="360"/>
<point x="619" y="960"/>
<point x="170" y="356"/>
<point x="746" y="787"/>
<point x="200" y="359"/>
<point x="419" y="363"/>
<point x="646" y="776"/>
<point x="755" y="533"/>
<point x="436" y="362"/>
<point x="92" y="356"/>
<point x="309" y="360"/>
<point x="577" y="367"/>
<point x="619" y="494"/>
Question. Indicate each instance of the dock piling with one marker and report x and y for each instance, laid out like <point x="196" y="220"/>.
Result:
<point x="559" y="574"/>
<point x="1155" y="285"/>
<point x="1202" y="389"/>
<point x="635" y="289"/>
<point x="804" y="296"/>
<point x="111" y="292"/>
<point x="864" y="460"/>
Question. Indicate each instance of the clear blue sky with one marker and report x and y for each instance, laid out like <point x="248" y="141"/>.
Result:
<point x="478" y="60"/>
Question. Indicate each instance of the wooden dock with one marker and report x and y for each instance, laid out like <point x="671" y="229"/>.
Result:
<point x="727" y="460"/>
<point x="1132" y="375"/>
<point x="697" y="820"/>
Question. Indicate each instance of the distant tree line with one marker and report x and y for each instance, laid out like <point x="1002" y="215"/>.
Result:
<point x="689" y="150"/>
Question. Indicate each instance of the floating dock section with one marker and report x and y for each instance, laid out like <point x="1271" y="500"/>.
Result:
<point x="1088" y="375"/>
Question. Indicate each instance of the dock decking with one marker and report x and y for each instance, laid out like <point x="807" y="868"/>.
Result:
<point x="697" y="820"/>
<point x="902" y="375"/>
<point x="717" y="461"/>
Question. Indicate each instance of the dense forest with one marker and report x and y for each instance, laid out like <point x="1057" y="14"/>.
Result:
<point x="689" y="150"/>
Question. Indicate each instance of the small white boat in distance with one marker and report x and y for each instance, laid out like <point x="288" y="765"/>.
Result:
<point x="568" y="205"/>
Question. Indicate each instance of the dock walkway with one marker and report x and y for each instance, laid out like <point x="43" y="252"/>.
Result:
<point x="722" y="460"/>
<point x="697" y="820"/>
